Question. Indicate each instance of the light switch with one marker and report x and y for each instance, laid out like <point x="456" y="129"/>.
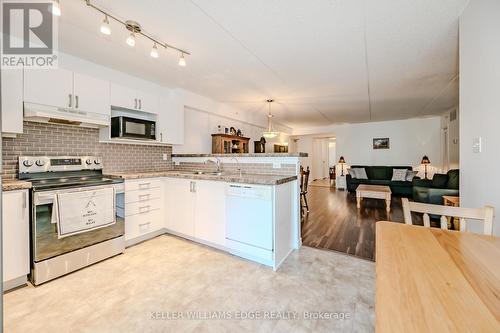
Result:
<point x="477" y="145"/>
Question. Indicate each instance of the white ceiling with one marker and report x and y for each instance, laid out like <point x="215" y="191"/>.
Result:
<point x="324" y="61"/>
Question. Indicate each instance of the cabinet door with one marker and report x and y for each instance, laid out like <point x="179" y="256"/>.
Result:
<point x="91" y="94"/>
<point x="12" y="100"/>
<point x="123" y="97"/>
<point x="180" y="205"/>
<point x="147" y="102"/>
<point x="15" y="224"/>
<point x="53" y="87"/>
<point x="210" y="212"/>
<point x="171" y="120"/>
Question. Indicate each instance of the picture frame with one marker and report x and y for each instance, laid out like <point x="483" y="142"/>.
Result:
<point x="381" y="143"/>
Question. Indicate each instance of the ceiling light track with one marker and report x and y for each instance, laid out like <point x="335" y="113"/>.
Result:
<point x="135" y="29"/>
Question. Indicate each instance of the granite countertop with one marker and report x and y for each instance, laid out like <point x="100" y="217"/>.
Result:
<point x="225" y="177"/>
<point x="244" y="155"/>
<point x="15" y="184"/>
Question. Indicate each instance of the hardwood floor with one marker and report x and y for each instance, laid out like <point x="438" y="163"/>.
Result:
<point x="334" y="222"/>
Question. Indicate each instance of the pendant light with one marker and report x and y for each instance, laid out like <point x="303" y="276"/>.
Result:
<point x="270" y="134"/>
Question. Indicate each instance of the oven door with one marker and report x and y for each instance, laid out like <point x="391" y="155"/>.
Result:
<point x="133" y="128"/>
<point x="45" y="241"/>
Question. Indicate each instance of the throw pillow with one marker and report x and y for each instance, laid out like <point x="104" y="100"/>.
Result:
<point x="439" y="180"/>
<point x="352" y="173"/>
<point x="399" y="175"/>
<point x="410" y="175"/>
<point x="360" y="173"/>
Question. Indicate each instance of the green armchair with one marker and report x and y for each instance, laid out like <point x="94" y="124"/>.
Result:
<point x="432" y="191"/>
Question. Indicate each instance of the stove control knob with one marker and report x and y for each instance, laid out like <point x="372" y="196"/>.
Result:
<point x="89" y="161"/>
<point x="97" y="161"/>
<point x="40" y="163"/>
<point x="28" y="163"/>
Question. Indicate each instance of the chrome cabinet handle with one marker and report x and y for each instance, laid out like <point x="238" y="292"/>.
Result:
<point x="144" y="185"/>
<point x="143" y="224"/>
<point x="140" y="104"/>
<point x="76" y="101"/>
<point x="70" y="100"/>
<point x="135" y="103"/>
<point x="192" y="186"/>
<point x="143" y="197"/>
<point x="144" y="209"/>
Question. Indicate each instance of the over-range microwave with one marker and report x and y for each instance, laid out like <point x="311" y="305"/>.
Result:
<point x="133" y="128"/>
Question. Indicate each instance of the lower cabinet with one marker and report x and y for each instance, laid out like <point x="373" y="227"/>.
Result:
<point x="196" y="209"/>
<point x="15" y="240"/>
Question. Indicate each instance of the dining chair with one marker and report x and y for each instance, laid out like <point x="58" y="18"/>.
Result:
<point x="304" y="181"/>
<point x="484" y="214"/>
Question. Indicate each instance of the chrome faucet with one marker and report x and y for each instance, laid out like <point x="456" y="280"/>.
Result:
<point x="216" y="162"/>
<point x="237" y="165"/>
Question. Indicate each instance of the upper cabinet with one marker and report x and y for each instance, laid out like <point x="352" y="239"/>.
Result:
<point x="91" y="94"/>
<point x="66" y="89"/>
<point x="12" y="101"/>
<point x="133" y="99"/>
<point x="171" y="119"/>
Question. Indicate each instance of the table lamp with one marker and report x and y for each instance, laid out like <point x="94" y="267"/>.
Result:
<point x="425" y="161"/>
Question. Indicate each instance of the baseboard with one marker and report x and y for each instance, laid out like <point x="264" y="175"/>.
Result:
<point x="16" y="282"/>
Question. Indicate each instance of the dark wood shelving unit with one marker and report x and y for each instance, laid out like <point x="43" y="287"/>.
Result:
<point x="229" y="144"/>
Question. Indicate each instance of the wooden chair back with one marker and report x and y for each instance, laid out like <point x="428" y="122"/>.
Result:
<point x="484" y="214"/>
<point x="304" y="179"/>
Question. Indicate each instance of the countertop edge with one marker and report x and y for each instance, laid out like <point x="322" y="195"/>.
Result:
<point x="13" y="185"/>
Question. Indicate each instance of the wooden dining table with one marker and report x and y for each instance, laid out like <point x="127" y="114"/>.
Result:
<point x="434" y="280"/>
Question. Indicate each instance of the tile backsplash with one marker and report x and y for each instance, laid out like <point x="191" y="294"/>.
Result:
<point x="41" y="139"/>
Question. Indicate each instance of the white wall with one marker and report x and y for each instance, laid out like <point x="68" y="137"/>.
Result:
<point x="409" y="141"/>
<point x="203" y="115"/>
<point x="480" y="106"/>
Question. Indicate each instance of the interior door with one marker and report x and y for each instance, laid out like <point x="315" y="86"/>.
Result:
<point x="91" y="94"/>
<point x="53" y="87"/>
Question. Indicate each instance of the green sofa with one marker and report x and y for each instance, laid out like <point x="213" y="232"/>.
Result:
<point x="381" y="175"/>
<point x="432" y="191"/>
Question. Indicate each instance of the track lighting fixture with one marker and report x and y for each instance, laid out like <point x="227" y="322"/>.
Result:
<point x="131" y="39"/>
<point x="154" y="51"/>
<point x="56" y="8"/>
<point x="134" y="28"/>
<point x="105" y="28"/>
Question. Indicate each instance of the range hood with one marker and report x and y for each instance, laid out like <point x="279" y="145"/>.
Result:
<point x="51" y="114"/>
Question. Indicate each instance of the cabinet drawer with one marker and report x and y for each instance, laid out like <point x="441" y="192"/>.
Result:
<point x="142" y="207"/>
<point x="142" y="224"/>
<point x="143" y="195"/>
<point x="142" y="184"/>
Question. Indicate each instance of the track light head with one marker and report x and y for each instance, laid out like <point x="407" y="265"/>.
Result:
<point x="105" y="28"/>
<point x="154" y="51"/>
<point x="131" y="39"/>
<point x="182" y="60"/>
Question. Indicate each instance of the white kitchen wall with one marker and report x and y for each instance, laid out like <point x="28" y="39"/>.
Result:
<point x="480" y="106"/>
<point x="409" y="140"/>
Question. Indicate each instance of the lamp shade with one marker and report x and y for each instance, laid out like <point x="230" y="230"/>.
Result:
<point x="341" y="159"/>
<point x="425" y="160"/>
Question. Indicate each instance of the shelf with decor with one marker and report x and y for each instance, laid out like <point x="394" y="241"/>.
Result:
<point x="229" y="144"/>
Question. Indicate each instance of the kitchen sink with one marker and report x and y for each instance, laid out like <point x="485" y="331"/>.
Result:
<point x="211" y="173"/>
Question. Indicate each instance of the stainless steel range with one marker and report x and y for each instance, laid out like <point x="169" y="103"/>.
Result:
<point x="51" y="255"/>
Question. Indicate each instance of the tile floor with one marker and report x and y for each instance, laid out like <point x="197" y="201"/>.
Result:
<point x="144" y="290"/>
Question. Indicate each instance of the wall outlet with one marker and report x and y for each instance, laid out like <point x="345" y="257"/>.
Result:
<point x="477" y="145"/>
<point x="165" y="157"/>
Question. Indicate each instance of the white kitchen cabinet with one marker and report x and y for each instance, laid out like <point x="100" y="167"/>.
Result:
<point x="16" y="232"/>
<point x="171" y="120"/>
<point x="210" y="212"/>
<point x="180" y="205"/>
<point x="91" y="94"/>
<point x="65" y="89"/>
<point x="133" y="99"/>
<point x="52" y="87"/>
<point x="12" y="101"/>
